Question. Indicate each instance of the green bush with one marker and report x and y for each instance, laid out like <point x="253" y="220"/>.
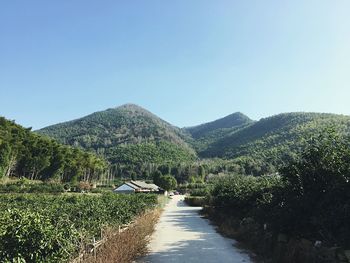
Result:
<point x="317" y="192"/>
<point x="53" y="188"/>
<point x="195" y="189"/>
<point x="244" y="195"/>
<point x="200" y="192"/>
<point x="195" y="200"/>
<point x="310" y="198"/>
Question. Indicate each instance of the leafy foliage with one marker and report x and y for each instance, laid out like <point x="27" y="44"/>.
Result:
<point x="243" y="195"/>
<point x="32" y="188"/>
<point x="317" y="193"/>
<point x="311" y="197"/>
<point x="167" y="182"/>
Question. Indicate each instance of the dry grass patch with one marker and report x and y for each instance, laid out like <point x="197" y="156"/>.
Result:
<point x="129" y="244"/>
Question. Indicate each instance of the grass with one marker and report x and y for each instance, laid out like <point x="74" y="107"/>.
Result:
<point x="128" y="245"/>
<point x="162" y="200"/>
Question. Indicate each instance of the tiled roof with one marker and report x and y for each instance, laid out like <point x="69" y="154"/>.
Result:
<point x="132" y="185"/>
<point x="142" y="184"/>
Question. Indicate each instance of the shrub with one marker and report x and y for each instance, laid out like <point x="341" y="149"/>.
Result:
<point x="32" y="188"/>
<point x="195" y="200"/>
<point x="244" y="195"/>
<point x="167" y="182"/>
<point x="310" y="198"/>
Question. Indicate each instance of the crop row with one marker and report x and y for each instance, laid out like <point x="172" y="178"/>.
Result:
<point x="47" y="228"/>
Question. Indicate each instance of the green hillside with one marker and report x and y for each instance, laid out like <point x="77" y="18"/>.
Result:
<point x="115" y="132"/>
<point x="231" y="121"/>
<point x="275" y="139"/>
<point x="134" y="137"/>
<point x="26" y="154"/>
<point x="208" y="133"/>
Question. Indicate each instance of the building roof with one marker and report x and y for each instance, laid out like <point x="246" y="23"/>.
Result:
<point x="126" y="187"/>
<point x="144" y="185"/>
<point x="155" y="187"/>
<point x="132" y="185"/>
<point x="138" y="185"/>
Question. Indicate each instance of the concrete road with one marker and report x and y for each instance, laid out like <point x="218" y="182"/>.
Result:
<point x="182" y="235"/>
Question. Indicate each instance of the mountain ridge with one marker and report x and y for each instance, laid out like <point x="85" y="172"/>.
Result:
<point x="130" y="133"/>
<point x="276" y="135"/>
<point x="229" y="121"/>
<point x="128" y="124"/>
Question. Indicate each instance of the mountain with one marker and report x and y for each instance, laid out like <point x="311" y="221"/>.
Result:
<point x="208" y="133"/>
<point x="231" y="121"/>
<point x="131" y="135"/>
<point x="275" y="139"/>
<point x="128" y="134"/>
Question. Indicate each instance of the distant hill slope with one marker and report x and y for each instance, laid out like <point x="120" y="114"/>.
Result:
<point x="130" y="134"/>
<point x="114" y="132"/>
<point x="276" y="138"/>
<point x="208" y="133"/>
<point x="231" y="121"/>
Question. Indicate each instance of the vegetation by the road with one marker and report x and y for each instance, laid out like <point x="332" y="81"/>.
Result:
<point x="310" y="198"/>
<point x="46" y="228"/>
<point x="167" y="182"/>
<point x="128" y="245"/>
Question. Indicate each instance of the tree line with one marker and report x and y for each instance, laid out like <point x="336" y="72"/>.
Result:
<point x="26" y="154"/>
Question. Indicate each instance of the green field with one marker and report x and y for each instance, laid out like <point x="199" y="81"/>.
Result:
<point x="54" y="228"/>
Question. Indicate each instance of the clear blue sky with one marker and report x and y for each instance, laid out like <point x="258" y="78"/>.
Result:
<point x="188" y="61"/>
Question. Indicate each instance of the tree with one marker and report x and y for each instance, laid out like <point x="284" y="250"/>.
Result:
<point x="164" y="169"/>
<point x="201" y="173"/>
<point x="167" y="182"/>
<point x="26" y="154"/>
<point x="5" y="156"/>
<point x="156" y="177"/>
<point x="318" y="189"/>
<point x="133" y="175"/>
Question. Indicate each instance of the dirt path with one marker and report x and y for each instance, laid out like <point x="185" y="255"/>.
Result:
<point x="183" y="236"/>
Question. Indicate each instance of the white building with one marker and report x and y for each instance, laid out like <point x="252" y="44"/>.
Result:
<point x="137" y="187"/>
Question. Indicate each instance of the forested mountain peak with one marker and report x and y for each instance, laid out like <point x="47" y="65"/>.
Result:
<point x="132" y="109"/>
<point x="276" y="138"/>
<point x="131" y="134"/>
<point x="131" y="106"/>
<point x="233" y="120"/>
<point x="123" y="126"/>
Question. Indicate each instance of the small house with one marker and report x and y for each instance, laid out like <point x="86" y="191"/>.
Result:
<point x="126" y="188"/>
<point x="137" y="187"/>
